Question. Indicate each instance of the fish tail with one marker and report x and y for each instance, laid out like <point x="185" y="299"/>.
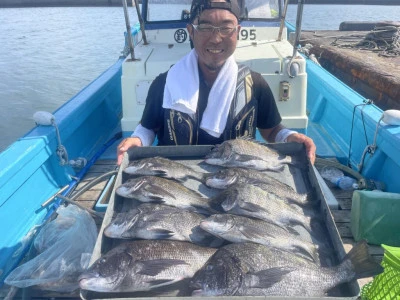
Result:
<point x="301" y="200"/>
<point x="309" y="200"/>
<point x="304" y="221"/>
<point x="362" y="262"/>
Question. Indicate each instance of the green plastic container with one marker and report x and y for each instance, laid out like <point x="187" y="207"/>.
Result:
<point x="385" y="286"/>
<point x="375" y="217"/>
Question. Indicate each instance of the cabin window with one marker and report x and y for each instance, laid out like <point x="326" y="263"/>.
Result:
<point x="178" y="10"/>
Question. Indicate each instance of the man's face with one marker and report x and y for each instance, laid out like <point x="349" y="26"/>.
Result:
<point x="214" y="48"/>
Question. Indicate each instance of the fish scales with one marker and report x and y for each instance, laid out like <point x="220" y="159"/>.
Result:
<point x="248" y="154"/>
<point x="253" y="289"/>
<point x="252" y="201"/>
<point x="238" y="229"/>
<point x="249" y="269"/>
<point x="164" y="191"/>
<point x="157" y="221"/>
<point x="144" y="265"/>
<point x="231" y="176"/>
<point x="164" y="167"/>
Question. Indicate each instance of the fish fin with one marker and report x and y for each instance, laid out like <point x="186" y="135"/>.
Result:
<point x="277" y="168"/>
<point x="162" y="233"/>
<point x="204" y="210"/>
<point x="160" y="282"/>
<point x="160" y="173"/>
<point x="158" y="192"/>
<point x="300" y="200"/>
<point x="266" y="278"/>
<point x="154" y="267"/>
<point x="246" y="158"/>
<point x="156" y="199"/>
<point x="307" y="251"/>
<point x="302" y="220"/>
<point x="362" y="262"/>
<point x="252" y="233"/>
<point x="258" y="183"/>
<point x="291" y="230"/>
<point x="294" y="206"/>
<point x="251" y="207"/>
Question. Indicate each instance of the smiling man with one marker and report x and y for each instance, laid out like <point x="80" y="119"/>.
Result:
<point x="206" y="97"/>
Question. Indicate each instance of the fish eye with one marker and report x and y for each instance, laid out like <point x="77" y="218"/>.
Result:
<point x="209" y="267"/>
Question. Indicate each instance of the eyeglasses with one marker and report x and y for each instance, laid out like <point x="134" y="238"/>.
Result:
<point x="208" y="30"/>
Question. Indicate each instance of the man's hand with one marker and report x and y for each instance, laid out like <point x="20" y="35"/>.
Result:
<point x="125" y="145"/>
<point x="308" y="143"/>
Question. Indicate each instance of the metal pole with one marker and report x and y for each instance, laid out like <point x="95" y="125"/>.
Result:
<point x="283" y="20"/>
<point x="128" y="30"/>
<point x="141" y="22"/>
<point x="298" y="25"/>
<point x="297" y="38"/>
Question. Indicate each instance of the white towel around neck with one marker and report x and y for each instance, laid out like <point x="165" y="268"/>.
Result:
<point x="181" y="92"/>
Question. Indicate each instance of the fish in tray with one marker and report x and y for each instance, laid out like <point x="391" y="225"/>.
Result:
<point x="252" y="201"/>
<point x="250" y="269"/>
<point x="225" y="178"/>
<point x="144" y="265"/>
<point x="238" y="229"/>
<point x="163" y="167"/>
<point x="248" y="154"/>
<point x="164" y="191"/>
<point x="156" y="221"/>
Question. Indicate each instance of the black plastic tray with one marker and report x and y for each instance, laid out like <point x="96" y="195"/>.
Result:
<point x="302" y="179"/>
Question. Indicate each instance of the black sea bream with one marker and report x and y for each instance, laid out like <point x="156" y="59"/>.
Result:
<point x="249" y="269"/>
<point x="143" y="265"/>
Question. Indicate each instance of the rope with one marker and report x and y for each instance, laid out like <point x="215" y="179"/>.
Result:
<point x="365" y="102"/>
<point x="306" y="51"/>
<point x="385" y="40"/>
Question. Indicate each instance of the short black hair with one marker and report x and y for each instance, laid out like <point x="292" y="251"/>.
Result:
<point x="198" y="6"/>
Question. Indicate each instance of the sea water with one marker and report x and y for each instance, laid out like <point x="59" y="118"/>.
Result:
<point x="49" y="54"/>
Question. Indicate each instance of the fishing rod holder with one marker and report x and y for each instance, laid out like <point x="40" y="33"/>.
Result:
<point x="45" y="118"/>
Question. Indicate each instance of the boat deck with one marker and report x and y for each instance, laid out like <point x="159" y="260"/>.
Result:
<point x="91" y="197"/>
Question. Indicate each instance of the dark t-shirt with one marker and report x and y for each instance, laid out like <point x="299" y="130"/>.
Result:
<point x="153" y="114"/>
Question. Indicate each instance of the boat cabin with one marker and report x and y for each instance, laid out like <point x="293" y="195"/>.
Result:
<point x="262" y="45"/>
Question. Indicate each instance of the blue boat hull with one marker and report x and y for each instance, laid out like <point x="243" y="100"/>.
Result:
<point x="30" y="171"/>
<point x="338" y="120"/>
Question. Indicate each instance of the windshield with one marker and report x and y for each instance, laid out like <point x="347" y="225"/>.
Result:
<point x="178" y="10"/>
